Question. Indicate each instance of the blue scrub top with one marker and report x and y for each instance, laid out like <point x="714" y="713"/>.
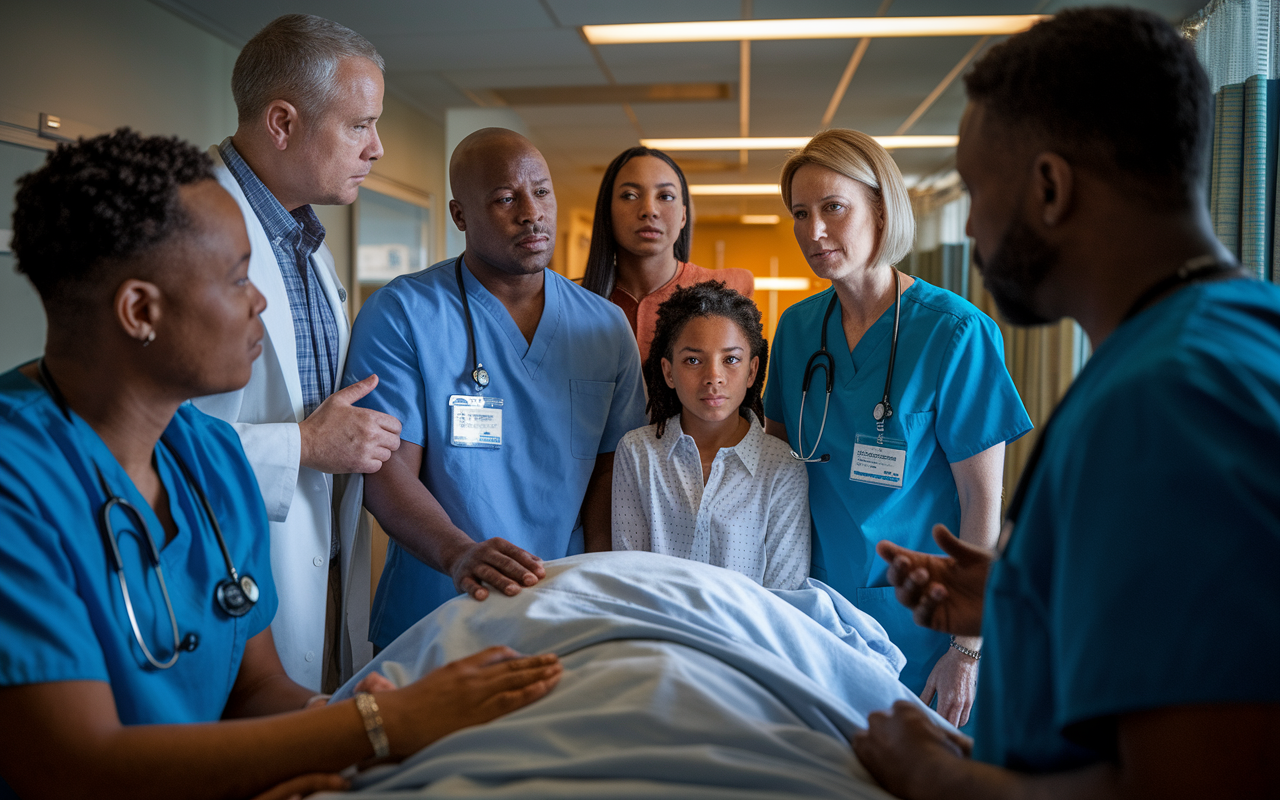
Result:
<point x="568" y="396"/>
<point x="952" y="398"/>
<point x="1141" y="571"/>
<point x="64" y="615"/>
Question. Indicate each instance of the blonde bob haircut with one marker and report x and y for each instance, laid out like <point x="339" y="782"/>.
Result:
<point x="860" y="157"/>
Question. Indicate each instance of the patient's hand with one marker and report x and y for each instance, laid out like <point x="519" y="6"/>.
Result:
<point x="943" y="593"/>
<point x="303" y="785"/>
<point x="374" y="682"/>
<point x="498" y="563"/>
<point x="902" y="750"/>
<point x="463" y="693"/>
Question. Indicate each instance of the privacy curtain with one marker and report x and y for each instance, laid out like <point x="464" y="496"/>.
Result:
<point x="1042" y="361"/>
<point x="1235" y="41"/>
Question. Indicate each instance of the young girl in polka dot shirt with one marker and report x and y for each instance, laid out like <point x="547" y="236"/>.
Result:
<point x="704" y="481"/>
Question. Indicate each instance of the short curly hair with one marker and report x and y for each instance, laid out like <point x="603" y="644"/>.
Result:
<point x="706" y="299"/>
<point x="98" y="203"/>
<point x="1113" y="89"/>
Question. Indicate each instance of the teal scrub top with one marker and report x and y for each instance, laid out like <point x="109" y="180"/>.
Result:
<point x="64" y="616"/>
<point x="952" y="398"/>
<point x="568" y="396"/>
<point x="1141" y="572"/>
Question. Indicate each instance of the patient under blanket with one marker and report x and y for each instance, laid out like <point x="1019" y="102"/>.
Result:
<point x="681" y="680"/>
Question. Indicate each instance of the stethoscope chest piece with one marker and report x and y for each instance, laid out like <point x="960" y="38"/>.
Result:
<point x="237" y="597"/>
<point x="882" y="411"/>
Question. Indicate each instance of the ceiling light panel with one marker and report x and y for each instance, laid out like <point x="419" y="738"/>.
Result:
<point x="613" y="94"/>
<point x="734" y="189"/>
<point x="789" y="143"/>
<point x="831" y="28"/>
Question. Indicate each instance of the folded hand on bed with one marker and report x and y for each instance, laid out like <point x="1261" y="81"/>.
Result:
<point x="466" y="692"/>
<point x="943" y="592"/>
<point x="498" y="563"/>
<point x="900" y="748"/>
<point x="304" y="786"/>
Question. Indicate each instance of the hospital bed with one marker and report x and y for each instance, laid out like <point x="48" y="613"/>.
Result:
<point x="681" y="680"/>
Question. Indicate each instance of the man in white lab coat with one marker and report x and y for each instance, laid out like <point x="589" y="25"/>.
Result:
<point x="308" y="93"/>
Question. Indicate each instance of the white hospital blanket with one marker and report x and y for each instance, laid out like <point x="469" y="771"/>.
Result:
<point x="681" y="680"/>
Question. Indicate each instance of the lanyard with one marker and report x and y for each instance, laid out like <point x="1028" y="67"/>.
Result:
<point x="1197" y="269"/>
<point x="478" y="374"/>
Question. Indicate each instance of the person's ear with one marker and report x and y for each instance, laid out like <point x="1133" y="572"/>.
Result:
<point x="1052" y="190"/>
<point x="138" y="309"/>
<point x="751" y="376"/>
<point x="455" y="213"/>
<point x="666" y="373"/>
<point x="283" y="123"/>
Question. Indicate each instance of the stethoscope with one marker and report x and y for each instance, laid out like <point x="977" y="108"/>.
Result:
<point x="823" y="360"/>
<point x="478" y="373"/>
<point x="235" y="594"/>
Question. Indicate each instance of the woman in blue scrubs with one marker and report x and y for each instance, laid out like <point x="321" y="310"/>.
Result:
<point x="888" y="457"/>
<point x="134" y="569"/>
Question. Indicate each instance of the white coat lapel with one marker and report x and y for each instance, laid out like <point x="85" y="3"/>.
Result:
<point x="264" y="271"/>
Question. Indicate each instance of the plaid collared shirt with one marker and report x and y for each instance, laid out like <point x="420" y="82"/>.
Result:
<point x="295" y="237"/>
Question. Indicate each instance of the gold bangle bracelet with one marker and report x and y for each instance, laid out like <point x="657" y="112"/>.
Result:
<point x="368" y="708"/>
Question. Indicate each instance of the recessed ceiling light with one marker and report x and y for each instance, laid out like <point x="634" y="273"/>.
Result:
<point x="831" y="28"/>
<point x="790" y="143"/>
<point x="734" y="189"/>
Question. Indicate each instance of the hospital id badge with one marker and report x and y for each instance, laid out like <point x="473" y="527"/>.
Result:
<point x="879" y="460"/>
<point x="475" y="421"/>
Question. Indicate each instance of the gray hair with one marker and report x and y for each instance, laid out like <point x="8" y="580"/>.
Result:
<point x="294" y="58"/>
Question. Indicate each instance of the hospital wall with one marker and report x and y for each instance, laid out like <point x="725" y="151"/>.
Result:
<point x="764" y="250"/>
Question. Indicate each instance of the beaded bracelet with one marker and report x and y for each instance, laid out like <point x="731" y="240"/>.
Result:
<point x="368" y="708"/>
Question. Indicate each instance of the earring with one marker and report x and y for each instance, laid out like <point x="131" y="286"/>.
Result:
<point x="151" y="337"/>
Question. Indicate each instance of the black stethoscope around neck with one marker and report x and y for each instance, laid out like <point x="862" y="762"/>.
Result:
<point x="478" y="373"/>
<point x="823" y="360"/>
<point x="235" y="594"/>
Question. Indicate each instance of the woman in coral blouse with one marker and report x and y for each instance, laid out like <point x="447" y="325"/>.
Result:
<point x="640" y="240"/>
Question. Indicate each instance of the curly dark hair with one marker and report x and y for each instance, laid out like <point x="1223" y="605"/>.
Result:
<point x="602" y="259"/>
<point x="97" y="203"/>
<point x="1113" y="89"/>
<point x="706" y="299"/>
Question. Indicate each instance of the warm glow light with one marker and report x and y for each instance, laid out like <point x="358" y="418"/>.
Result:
<point x="760" y="219"/>
<point x="782" y="284"/>
<point x="789" y="142"/>
<point x="832" y="28"/>
<point x="734" y="189"/>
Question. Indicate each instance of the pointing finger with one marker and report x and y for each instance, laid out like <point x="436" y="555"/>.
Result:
<point x="356" y="390"/>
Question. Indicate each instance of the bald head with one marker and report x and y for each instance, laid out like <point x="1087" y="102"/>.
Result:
<point x="503" y="201"/>
<point x="483" y="150"/>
